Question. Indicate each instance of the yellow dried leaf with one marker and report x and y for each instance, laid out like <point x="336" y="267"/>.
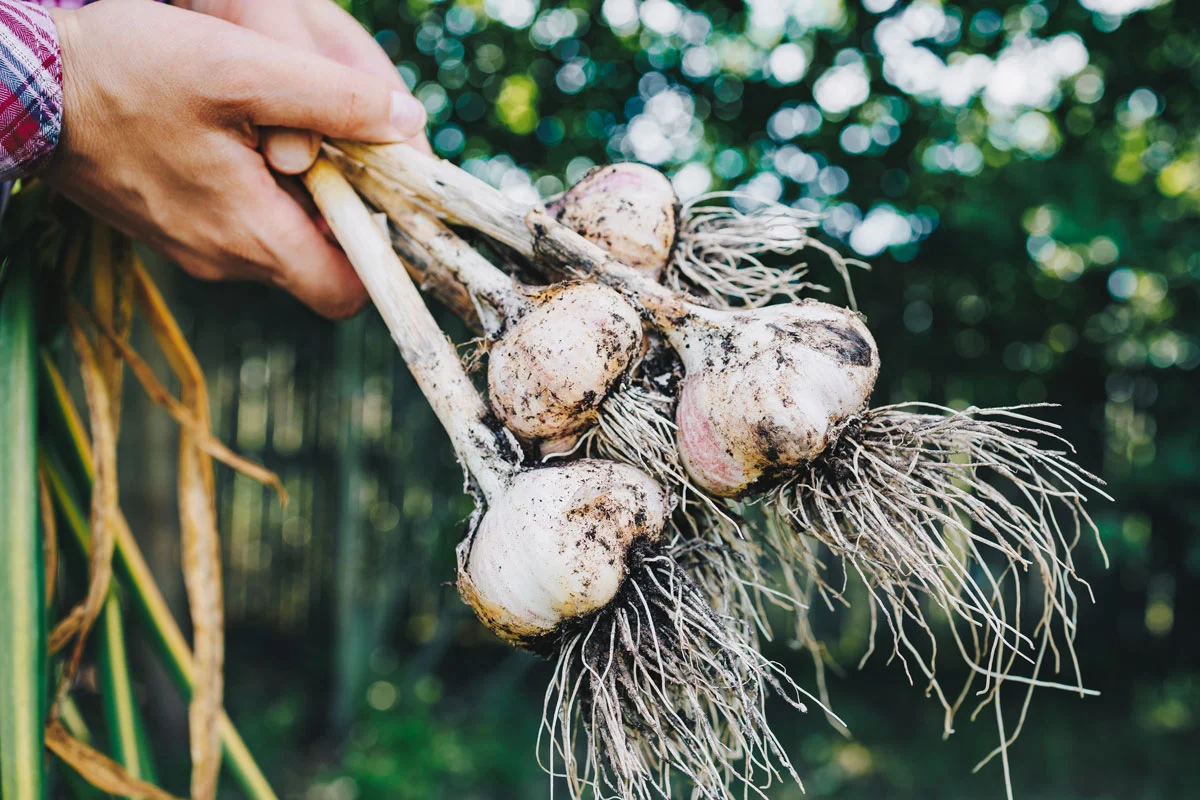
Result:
<point x="103" y="510"/>
<point x="98" y="769"/>
<point x="182" y="416"/>
<point x="49" y="534"/>
<point x="112" y="303"/>
<point x="200" y="544"/>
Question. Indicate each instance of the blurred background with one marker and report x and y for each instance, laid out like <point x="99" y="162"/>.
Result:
<point x="1024" y="178"/>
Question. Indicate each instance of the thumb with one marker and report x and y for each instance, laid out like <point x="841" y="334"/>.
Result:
<point x="289" y="150"/>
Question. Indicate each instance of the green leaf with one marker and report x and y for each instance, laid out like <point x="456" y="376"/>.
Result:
<point x="23" y="688"/>
<point x="125" y="728"/>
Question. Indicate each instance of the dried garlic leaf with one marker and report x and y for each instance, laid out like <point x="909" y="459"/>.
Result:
<point x="112" y="303"/>
<point x="200" y="543"/>
<point x="104" y="506"/>
<point x="159" y="393"/>
<point x="98" y="769"/>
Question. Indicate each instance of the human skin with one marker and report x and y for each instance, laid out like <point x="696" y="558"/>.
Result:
<point x="165" y="112"/>
<point x="320" y="26"/>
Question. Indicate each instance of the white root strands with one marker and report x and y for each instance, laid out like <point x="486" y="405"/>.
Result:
<point x="655" y="688"/>
<point x="665" y="692"/>
<point x="954" y="509"/>
<point x="720" y="251"/>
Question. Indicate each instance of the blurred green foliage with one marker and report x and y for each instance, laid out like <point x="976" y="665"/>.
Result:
<point x="1024" y="178"/>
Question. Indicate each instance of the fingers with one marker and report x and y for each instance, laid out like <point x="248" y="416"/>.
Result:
<point x="296" y="256"/>
<point x="342" y="38"/>
<point x="293" y="89"/>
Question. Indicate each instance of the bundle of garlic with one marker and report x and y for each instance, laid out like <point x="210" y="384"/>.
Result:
<point x="652" y="686"/>
<point x="921" y="502"/>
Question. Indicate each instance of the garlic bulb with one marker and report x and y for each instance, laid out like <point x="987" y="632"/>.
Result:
<point x="629" y="209"/>
<point x="768" y="391"/>
<point x="557" y="352"/>
<point x="553" y="546"/>
<point x="549" y="372"/>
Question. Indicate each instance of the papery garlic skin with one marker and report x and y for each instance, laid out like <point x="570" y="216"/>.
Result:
<point x="553" y="545"/>
<point x="767" y="391"/>
<point x="630" y="210"/>
<point x="557" y="363"/>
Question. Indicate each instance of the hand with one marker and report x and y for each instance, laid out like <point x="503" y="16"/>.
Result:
<point x="162" y="111"/>
<point x="320" y="26"/>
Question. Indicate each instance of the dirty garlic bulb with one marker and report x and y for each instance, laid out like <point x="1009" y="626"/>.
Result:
<point x="539" y="557"/>
<point x="767" y="391"/>
<point x="548" y="373"/>
<point x="629" y="209"/>
<point x="651" y="686"/>
<point x="557" y="352"/>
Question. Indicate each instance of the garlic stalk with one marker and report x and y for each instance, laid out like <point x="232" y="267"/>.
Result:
<point x="707" y="248"/>
<point x="571" y="560"/>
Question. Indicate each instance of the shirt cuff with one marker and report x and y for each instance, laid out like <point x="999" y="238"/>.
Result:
<point x="31" y="98"/>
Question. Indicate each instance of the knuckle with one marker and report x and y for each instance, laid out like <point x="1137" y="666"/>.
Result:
<point x="351" y="105"/>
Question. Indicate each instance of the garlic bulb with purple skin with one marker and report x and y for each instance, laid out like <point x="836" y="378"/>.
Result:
<point x="767" y="391"/>
<point x="629" y="209"/>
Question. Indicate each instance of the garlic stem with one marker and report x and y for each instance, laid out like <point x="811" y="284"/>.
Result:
<point x="485" y="453"/>
<point x="448" y="189"/>
<point x="483" y="279"/>
<point x="533" y="233"/>
<point x="429" y="275"/>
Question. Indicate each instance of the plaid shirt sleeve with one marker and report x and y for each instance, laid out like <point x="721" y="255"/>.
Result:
<point x="30" y="88"/>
